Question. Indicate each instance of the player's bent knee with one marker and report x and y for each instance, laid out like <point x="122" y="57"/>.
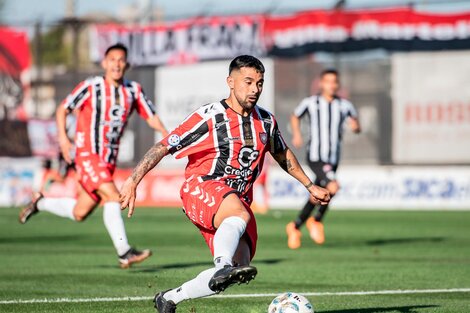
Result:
<point x="82" y="211"/>
<point x="245" y="215"/>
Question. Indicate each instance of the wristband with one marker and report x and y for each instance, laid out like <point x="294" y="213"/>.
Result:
<point x="309" y="185"/>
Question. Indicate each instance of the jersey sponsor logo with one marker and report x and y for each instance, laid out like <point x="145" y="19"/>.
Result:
<point x="116" y="112"/>
<point x="263" y="137"/>
<point x="239" y="172"/>
<point x="231" y="139"/>
<point x="174" y="140"/>
<point x="247" y="156"/>
<point x="221" y="123"/>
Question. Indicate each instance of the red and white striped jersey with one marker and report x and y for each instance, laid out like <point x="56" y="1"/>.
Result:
<point x="222" y="145"/>
<point x="103" y="111"/>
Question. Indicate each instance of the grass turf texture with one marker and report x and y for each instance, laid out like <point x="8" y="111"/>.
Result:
<point x="51" y="258"/>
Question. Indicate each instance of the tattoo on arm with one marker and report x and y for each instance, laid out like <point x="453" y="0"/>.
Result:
<point x="150" y="159"/>
<point x="290" y="164"/>
<point x="286" y="164"/>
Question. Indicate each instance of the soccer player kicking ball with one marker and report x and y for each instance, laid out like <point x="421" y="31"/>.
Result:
<point x="327" y="113"/>
<point x="104" y="105"/>
<point x="225" y="143"/>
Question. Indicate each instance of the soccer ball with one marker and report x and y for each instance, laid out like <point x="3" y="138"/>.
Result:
<point x="290" y="302"/>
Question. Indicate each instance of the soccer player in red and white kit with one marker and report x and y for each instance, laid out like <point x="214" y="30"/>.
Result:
<point x="226" y="143"/>
<point x="104" y="105"/>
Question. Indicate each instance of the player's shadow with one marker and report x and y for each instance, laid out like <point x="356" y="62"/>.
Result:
<point x="400" y="309"/>
<point x="394" y="241"/>
<point x="343" y="242"/>
<point x="41" y="239"/>
<point x="151" y="269"/>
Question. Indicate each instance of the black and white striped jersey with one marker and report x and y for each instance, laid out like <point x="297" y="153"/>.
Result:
<point x="326" y="126"/>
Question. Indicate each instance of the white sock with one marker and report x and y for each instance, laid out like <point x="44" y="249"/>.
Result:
<point x="62" y="207"/>
<point x="115" y="225"/>
<point x="226" y="240"/>
<point x="196" y="288"/>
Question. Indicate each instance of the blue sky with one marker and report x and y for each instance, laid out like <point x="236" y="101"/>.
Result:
<point x="21" y="12"/>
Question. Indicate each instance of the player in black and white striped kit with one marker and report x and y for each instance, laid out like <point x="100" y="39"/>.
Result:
<point x="327" y="114"/>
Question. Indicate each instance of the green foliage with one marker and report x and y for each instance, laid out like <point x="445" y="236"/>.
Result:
<point x="54" y="51"/>
<point x="53" y="258"/>
<point x="2" y="6"/>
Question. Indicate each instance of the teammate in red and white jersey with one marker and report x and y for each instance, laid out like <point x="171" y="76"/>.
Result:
<point x="103" y="105"/>
<point x="225" y="143"/>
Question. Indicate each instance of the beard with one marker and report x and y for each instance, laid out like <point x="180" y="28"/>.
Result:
<point x="246" y="103"/>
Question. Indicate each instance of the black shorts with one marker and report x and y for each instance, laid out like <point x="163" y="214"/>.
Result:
<point x="324" y="172"/>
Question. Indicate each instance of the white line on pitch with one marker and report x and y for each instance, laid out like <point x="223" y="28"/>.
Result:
<point x="254" y="295"/>
<point x="351" y="293"/>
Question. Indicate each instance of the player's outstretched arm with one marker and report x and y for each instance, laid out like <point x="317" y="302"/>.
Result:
<point x="297" y="139"/>
<point x="64" y="142"/>
<point x="355" y="125"/>
<point x="128" y="190"/>
<point x="290" y="164"/>
<point x="157" y="124"/>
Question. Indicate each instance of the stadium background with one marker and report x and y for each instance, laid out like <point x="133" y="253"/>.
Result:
<point x="404" y="67"/>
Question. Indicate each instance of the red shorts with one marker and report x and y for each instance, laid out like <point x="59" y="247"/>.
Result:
<point x="92" y="172"/>
<point x="201" y="202"/>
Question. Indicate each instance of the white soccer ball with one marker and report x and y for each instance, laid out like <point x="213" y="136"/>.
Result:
<point x="290" y="302"/>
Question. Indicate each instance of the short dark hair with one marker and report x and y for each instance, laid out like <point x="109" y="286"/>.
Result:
<point x="246" y="61"/>
<point x="329" y="71"/>
<point x="117" y="46"/>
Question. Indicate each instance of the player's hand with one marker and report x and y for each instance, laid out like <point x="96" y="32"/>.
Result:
<point x="65" y="147"/>
<point x="297" y="141"/>
<point x="319" y="195"/>
<point x="127" y="196"/>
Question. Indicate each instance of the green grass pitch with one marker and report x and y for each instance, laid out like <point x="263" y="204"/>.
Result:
<point x="51" y="258"/>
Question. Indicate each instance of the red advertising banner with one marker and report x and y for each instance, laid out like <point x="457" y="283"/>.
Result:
<point x="187" y="41"/>
<point x="15" y="58"/>
<point x="159" y="188"/>
<point x="399" y="29"/>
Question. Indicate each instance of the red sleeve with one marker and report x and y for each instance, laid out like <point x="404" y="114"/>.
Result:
<point x="78" y="96"/>
<point x="143" y="105"/>
<point x="189" y="137"/>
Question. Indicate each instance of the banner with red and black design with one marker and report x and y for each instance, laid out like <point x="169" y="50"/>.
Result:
<point x="211" y="38"/>
<point x="346" y="31"/>
<point x="186" y="41"/>
<point x="15" y="59"/>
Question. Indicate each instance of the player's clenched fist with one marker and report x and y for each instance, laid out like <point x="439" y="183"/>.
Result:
<point x="65" y="147"/>
<point x="127" y="196"/>
<point x="319" y="195"/>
